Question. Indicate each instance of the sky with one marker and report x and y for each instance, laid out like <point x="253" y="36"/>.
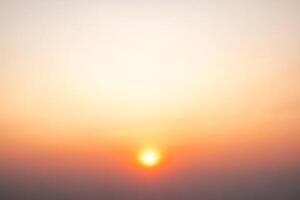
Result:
<point x="85" y="86"/>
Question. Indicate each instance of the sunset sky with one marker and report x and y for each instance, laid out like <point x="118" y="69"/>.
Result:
<point x="207" y="92"/>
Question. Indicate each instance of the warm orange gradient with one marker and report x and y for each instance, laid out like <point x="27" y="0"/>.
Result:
<point x="83" y="86"/>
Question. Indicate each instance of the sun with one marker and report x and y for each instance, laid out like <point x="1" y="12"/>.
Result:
<point x="149" y="158"/>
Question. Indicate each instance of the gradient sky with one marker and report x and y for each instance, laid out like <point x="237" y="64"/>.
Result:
<point x="85" y="85"/>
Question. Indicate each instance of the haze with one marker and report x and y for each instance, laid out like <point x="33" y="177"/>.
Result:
<point x="86" y="85"/>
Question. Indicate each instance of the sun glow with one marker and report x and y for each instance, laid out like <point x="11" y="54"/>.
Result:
<point x="149" y="158"/>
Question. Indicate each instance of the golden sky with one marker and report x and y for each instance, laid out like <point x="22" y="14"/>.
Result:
<point x="205" y="82"/>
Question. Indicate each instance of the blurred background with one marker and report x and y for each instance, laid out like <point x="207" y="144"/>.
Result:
<point x="213" y="85"/>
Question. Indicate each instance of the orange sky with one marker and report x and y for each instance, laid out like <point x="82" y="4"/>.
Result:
<point x="213" y="86"/>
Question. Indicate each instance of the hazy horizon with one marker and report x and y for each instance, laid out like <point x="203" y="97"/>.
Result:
<point x="214" y="86"/>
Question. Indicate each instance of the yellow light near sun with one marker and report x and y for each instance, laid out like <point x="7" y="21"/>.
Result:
<point x="149" y="158"/>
